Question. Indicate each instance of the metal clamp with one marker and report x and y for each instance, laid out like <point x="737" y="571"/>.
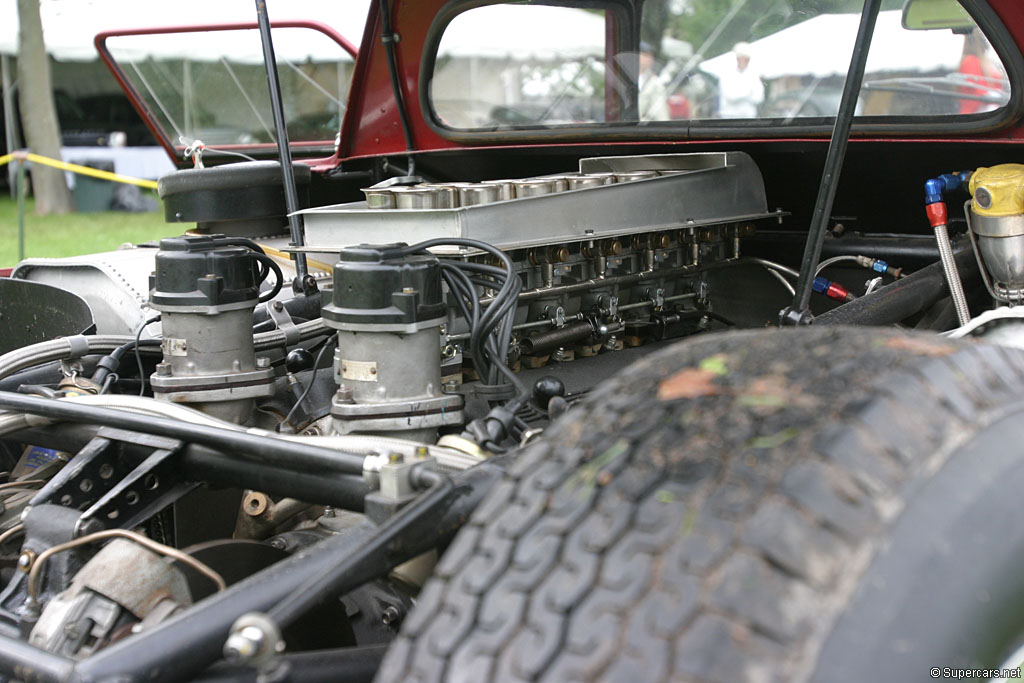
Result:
<point x="283" y="320"/>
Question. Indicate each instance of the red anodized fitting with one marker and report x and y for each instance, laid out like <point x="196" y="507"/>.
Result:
<point x="937" y="213"/>
<point x="838" y="292"/>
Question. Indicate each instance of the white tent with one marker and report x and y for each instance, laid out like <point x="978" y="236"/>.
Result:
<point x="821" y="47"/>
<point x="69" y="26"/>
<point x="537" y="33"/>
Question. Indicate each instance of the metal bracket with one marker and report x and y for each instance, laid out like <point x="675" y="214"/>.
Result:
<point x="283" y="320"/>
<point x="790" y="317"/>
<point x="112" y="490"/>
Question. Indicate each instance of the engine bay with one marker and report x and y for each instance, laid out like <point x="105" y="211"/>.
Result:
<point x="224" y="430"/>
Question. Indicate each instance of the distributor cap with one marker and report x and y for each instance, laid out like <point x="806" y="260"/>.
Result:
<point x="202" y="270"/>
<point x="383" y="285"/>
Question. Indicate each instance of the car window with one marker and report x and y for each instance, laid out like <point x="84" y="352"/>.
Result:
<point x="514" y="65"/>
<point x="776" y="61"/>
<point x="211" y="85"/>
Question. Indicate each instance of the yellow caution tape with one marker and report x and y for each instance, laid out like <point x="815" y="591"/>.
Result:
<point x="75" y="168"/>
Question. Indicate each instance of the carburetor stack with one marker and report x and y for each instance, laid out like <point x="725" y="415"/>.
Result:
<point x="206" y="288"/>
<point x="388" y="306"/>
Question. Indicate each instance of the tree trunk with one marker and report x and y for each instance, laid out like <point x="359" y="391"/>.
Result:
<point x="38" y="111"/>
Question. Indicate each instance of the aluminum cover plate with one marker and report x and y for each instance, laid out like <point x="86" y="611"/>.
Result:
<point x="701" y="189"/>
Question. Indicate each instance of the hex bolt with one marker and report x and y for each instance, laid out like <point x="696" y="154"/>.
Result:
<point x="344" y="394"/>
<point x="25" y="560"/>
<point x="163" y="369"/>
<point x="262" y="362"/>
<point x="396" y="458"/>
<point x="244" y="644"/>
<point x="390" y="615"/>
<point x="278" y="306"/>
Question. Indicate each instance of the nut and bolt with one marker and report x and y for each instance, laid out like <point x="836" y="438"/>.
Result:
<point x="25" y="560"/>
<point x="390" y="615"/>
<point x="396" y="458"/>
<point x="344" y="394"/>
<point x="278" y="306"/>
<point x="245" y="644"/>
<point x="163" y="369"/>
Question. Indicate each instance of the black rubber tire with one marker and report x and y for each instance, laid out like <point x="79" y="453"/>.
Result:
<point x="815" y="504"/>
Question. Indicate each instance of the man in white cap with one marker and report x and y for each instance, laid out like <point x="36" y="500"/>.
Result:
<point x="653" y="98"/>
<point x="740" y="91"/>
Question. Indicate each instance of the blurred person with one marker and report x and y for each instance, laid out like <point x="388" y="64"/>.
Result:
<point x="977" y="67"/>
<point x="740" y="92"/>
<point x="652" y="99"/>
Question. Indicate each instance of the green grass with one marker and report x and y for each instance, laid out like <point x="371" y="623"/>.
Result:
<point x="75" y="234"/>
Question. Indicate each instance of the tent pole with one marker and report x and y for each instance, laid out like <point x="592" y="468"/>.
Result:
<point x="19" y="183"/>
<point x="10" y="130"/>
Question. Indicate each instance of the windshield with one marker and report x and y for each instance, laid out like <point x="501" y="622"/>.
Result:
<point x="211" y="85"/>
<point x="514" y="65"/>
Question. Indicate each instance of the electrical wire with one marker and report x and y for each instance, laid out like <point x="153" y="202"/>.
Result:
<point x="491" y="327"/>
<point x="312" y="380"/>
<point x="105" y="374"/>
<point x="138" y="354"/>
<point x="270" y="265"/>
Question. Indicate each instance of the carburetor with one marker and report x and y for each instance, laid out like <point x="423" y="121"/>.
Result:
<point x="388" y="306"/>
<point x="205" y="288"/>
